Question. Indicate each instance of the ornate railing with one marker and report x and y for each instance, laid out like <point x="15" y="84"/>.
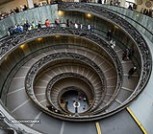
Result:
<point x="20" y="39"/>
<point x="146" y="65"/>
<point x="60" y="56"/>
<point x="50" y="58"/>
<point x="68" y="75"/>
<point x="16" y="40"/>
<point x="134" y="17"/>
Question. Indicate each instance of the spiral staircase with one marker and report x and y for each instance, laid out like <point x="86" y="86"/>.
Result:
<point x="46" y="63"/>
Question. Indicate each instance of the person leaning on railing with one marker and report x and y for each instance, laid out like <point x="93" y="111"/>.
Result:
<point x="47" y="23"/>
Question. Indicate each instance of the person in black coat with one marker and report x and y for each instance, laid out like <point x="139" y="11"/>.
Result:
<point x="109" y="35"/>
<point x="131" y="72"/>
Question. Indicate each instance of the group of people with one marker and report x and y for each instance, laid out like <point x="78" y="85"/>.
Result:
<point x="19" y="28"/>
<point x="21" y="8"/>
<point x="48" y="22"/>
<point x="80" y="26"/>
<point x="132" y="6"/>
<point x="115" y="2"/>
<point x="127" y="55"/>
<point x="3" y="15"/>
<point x="51" y="108"/>
<point x="112" y="2"/>
<point x="77" y="25"/>
<point x="148" y="12"/>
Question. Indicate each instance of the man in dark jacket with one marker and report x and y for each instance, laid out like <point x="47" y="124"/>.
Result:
<point x="131" y="72"/>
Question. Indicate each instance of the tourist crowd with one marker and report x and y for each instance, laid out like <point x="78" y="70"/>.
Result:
<point x="3" y="15"/>
<point x="19" y="28"/>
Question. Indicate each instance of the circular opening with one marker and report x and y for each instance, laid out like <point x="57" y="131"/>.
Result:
<point x="74" y="101"/>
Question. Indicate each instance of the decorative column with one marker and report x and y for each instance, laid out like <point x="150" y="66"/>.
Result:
<point x="30" y="3"/>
